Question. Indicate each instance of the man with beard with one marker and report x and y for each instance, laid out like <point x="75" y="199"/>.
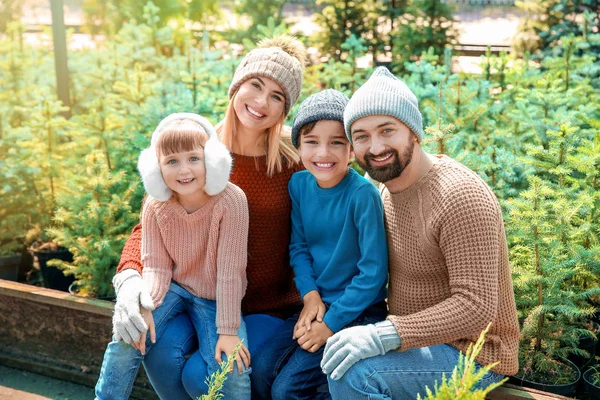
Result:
<point x="449" y="275"/>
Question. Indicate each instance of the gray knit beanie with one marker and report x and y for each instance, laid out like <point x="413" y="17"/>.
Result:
<point x="280" y="58"/>
<point x="327" y="105"/>
<point x="384" y="94"/>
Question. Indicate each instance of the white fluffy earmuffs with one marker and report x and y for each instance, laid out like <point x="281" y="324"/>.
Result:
<point x="217" y="160"/>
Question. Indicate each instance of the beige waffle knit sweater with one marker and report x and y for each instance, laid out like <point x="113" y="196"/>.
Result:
<point x="449" y="270"/>
<point x="205" y="252"/>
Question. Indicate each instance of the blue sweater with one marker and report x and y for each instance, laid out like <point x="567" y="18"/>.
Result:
<point x="338" y="245"/>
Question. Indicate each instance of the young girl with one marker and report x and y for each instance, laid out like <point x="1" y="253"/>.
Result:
<point x="265" y="86"/>
<point x="194" y="240"/>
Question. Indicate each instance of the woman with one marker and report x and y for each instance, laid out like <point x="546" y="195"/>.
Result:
<point x="265" y="86"/>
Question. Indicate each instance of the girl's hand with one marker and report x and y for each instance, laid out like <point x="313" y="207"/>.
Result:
<point x="314" y="309"/>
<point x="226" y="344"/>
<point x="149" y="320"/>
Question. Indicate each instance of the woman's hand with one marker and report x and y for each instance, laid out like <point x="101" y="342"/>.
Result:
<point x="314" y="309"/>
<point x="132" y="293"/>
<point x="226" y="344"/>
<point x="149" y="320"/>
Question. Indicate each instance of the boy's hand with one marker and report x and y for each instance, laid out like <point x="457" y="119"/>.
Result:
<point x="314" y="309"/>
<point x="149" y="320"/>
<point x="226" y="344"/>
<point x="313" y="339"/>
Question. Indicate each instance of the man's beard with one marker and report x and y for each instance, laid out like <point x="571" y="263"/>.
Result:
<point x="389" y="171"/>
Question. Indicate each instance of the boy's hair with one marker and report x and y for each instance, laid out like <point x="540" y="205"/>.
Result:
<point x="179" y="136"/>
<point x="306" y="129"/>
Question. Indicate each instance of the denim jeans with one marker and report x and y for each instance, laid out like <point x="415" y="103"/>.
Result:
<point x="121" y="361"/>
<point x="174" y="377"/>
<point x="283" y="370"/>
<point x="400" y="375"/>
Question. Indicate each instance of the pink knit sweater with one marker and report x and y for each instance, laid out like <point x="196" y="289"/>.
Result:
<point x="449" y="270"/>
<point x="205" y="252"/>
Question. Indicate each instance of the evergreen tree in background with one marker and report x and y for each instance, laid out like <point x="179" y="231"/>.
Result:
<point x="425" y="24"/>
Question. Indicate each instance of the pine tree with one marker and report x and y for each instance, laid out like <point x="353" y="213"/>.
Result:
<point x="546" y="308"/>
<point x="425" y="24"/>
<point x="341" y="18"/>
<point x="94" y="224"/>
<point x="462" y="383"/>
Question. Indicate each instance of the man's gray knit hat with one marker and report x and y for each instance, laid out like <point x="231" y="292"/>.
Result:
<point x="384" y="94"/>
<point x="327" y="105"/>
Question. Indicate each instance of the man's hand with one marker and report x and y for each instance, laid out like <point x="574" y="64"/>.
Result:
<point x="314" y="309"/>
<point x="128" y="322"/>
<point x="313" y="339"/>
<point x="226" y="344"/>
<point x="149" y="320"/>
<point x="349" y="346"/>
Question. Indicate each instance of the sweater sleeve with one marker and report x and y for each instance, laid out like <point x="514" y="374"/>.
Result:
<point x="232" y="258"/>
<point x="300" y="257"/>
<point x="158" y="265"/>
<point x="469" y="239"/>
<point x="372" y="276"/>
<point x="132" y="253"/>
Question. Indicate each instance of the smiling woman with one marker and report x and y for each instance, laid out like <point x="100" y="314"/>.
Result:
<point x="265" y="86"/>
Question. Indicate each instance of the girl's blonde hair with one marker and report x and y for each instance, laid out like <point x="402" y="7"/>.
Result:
<point x="179" y="136"/>
<point x="278" y="151"/>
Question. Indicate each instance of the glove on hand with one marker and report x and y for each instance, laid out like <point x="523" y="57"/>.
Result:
<point x="351" y="345"/>
<point x="132" y="293"/>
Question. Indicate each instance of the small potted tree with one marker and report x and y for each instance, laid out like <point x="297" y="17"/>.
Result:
<point x="547" y="310"/>
<point x="591" y="379"/>
<point x="94" y="225"/>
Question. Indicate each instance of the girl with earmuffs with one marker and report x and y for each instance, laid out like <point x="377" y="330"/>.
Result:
<point x="264" y="88"/>
<point x="194" y="246"/>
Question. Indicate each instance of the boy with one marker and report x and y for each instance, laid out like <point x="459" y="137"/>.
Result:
<point x="338" y="251"/>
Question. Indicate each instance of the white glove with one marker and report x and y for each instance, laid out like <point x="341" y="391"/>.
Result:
<point x="351" y="345"/>
<point x="132" y="293"/>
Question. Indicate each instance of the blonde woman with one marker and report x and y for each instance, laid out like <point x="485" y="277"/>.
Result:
<point x="265" y="86"/>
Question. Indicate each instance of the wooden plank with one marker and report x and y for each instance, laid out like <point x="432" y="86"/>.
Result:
<point x="513" y="392"/>
<point x="56" y="334"/>
<point x="55" y="298"/>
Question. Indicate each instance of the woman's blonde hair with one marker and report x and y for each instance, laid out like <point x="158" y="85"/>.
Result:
<point x="278" y="151"/>
<point x="179" y="136"/>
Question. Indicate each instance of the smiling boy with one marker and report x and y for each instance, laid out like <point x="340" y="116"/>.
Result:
<point x="338" y="251"/>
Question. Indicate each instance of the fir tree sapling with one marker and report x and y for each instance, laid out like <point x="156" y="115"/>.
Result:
<point x="546" y="308"/>
<point x="93" y="224"/>
<point x="462" y="384"/>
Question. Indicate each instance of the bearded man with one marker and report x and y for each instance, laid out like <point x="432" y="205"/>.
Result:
<point x="449" y="275"/>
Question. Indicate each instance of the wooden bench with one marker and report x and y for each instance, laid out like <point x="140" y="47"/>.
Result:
<point x="512" y="392"/>
<point x="53" y="333"/>
<point x="62" y="336"/>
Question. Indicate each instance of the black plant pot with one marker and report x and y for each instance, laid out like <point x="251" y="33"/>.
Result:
<point x="592" y="390"/>
<point x="564" y="389"/>
<point x="9" y="266"/>
<point x="54" y="277"/>
<point x="588" y="344"/>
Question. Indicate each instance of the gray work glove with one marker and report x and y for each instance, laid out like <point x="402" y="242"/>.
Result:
<point x="351" y="345"/>
<point x="132" y="293"/>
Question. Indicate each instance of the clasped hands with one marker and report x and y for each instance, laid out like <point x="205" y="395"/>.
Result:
<point x="310" y="331"/>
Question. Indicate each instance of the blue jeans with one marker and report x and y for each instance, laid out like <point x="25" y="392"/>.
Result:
<point x="174" y="377"/>
<point x="283" y="370"/>
<point x="400" y="375"/>
<point x="121" y="361"/>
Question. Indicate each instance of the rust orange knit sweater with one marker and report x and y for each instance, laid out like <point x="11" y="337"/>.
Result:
<point x="271" y="288"/>
<point x="449" y="270"/>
